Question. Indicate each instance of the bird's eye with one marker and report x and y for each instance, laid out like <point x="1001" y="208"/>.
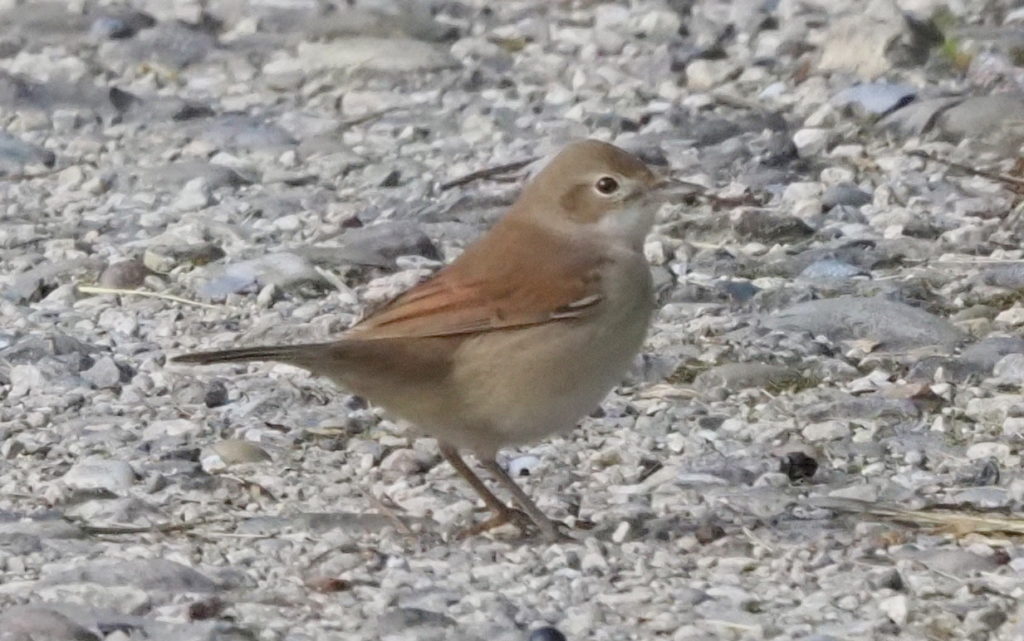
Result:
<point x="607" y="185"/>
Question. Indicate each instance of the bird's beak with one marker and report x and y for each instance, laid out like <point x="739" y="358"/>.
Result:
<point x="668" y="189"/>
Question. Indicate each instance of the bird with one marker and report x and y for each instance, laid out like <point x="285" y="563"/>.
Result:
<point x="521" y="335"/>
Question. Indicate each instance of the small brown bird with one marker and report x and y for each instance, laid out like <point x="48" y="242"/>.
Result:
<point x="520" y="336"/>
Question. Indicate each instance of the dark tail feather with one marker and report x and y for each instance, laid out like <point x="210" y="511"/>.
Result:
<point x="293" y="354"/>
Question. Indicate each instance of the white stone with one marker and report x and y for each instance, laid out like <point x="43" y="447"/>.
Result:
<point x="1010" y="368"/>
<point x="708" y="74"/>
<point x="798" y="191"/>
<point x="826" y="431"/>
<point x="115" y="476"/>
<point x="171" y="427"/>
<point x="859" y="492"/>
<point x="989" y="449"/>
<point x="895" y="607"/>
<point x="1013" y="317"/>
<point x="196" y="194"/>
<point x="610" y="16"/>
<point x="811" y="141"/>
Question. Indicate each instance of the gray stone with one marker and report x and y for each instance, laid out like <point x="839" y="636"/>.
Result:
<point x="763" y="226"/>
<point x="733" y="377"/>
<point x="893" y="325"/>
<point x="196" y="194"/>
<point x="826" y="430"/>
<point x="282" y="270"/>
<point x="172" y="46"/>
<point x="157" y="575"/>
<point x="830" y="270"/>
<point x="38" y="623"/>
<point x="918" y="117"/>
<point x="872" y="39"/>
<point x="952" y="562"/>
<point x="115" y="24"/>
<point x="115" y="476"/>
<point x="811" y="141"/>
<point x="126" y="274"/>
<point x="1010" y="369"/>
<point x="981" y="357"/>
<point x="702" y="75"/>
<point x="242" y="133"/>
<point x="29" y="285"/>
<point x="104" y="373"/>
<point x="846" y="194"/>
<point x="1006" y="276"/>
<point x="377" y="245"/>
<point x="401" y="619"/>
<point x="367" y="54"/>
<point x="875" y="99"/>
<point x="995" y="117"/>
<point x="233" y="451"/>
<point x="175" y="175"/>
<point x="17" y="156"/>
<point x="164" y="258"/>
<point x="525" y="465"/>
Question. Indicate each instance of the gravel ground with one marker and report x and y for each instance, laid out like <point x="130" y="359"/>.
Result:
<point x="836" y="352"/>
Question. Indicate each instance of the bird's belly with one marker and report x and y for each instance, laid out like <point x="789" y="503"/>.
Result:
<point x="517" y="387"/>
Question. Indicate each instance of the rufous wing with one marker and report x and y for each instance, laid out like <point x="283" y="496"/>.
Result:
<point x="526" y="279"/>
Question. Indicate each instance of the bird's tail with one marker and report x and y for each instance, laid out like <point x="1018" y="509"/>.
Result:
<point x="293" y="354"/>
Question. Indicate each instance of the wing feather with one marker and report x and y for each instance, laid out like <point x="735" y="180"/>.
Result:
<point x="522" y="278"/>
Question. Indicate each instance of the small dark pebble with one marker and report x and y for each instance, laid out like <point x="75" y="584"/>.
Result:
<point x="546" y="633"/>
<point x="888" y="579"/>
<point x="708" y="533"/>
<point x="739" y="290"/>
<point x="767" y="227"/>
<point x="328" y="584"/>
<point x="846" y="194"/>
<point x="392" y="179"/>
<point x="798" y="466"/>
<point x="206" y="609"/>
<point x="987" y="475"/>
<point x="127" y="274"/>
<point x="216" y="394"/>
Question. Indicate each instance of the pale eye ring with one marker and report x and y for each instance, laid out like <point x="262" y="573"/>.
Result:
<point x="606" y="185"/>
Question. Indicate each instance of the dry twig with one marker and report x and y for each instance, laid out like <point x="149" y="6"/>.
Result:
<point x="89" y="289"/>
<point x="486" y="173"/>
<point x="959" y="520"/>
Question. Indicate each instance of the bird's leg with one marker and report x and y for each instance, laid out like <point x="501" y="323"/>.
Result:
<point x="547" y="527"/>
<point x="502" y="513"/>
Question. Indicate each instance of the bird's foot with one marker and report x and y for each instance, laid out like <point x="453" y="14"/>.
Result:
<point x="507" y="515"/>
<point x="550" y="530"/>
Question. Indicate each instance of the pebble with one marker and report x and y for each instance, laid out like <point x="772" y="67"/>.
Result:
<point x="104" y="373"/>
<point x="897" y="325"/>
<point x="811" y="141"/>
<point x="115" y="476"/>
<point x="37" y="622"/>
<point x="234" y="451"/>
<point x="158" y="575"/>
<point x="196" y="194"/>
<point x="826" y="431"/>
<point x="1010" y="369"/>
<point x="708" y="74"/>
<point x="368" y="54"/>
<point x="845" y="194"/>
<point x="896" y="608"/>
<point x="524" y="466"/>
<point x="546" y="633"/>
<point x="875" y="99"/>
<point x="283" y="270"/>
<point x="126" y="274"/>
<point x="830" y="270"/>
